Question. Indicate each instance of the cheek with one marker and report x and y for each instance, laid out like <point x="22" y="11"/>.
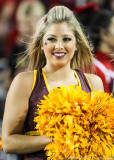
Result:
<point x="71" y="47"/>
<point x="48" y="47"/>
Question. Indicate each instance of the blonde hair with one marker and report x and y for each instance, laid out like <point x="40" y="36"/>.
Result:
<point x="82" y="57"/>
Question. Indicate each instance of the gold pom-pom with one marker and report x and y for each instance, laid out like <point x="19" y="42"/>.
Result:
<point x="80" y="124"/>
<point x="0" y="143"/>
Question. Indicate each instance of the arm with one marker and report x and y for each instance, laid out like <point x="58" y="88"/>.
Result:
<point x="95" y="81"/>
<point x="16" y="108"/>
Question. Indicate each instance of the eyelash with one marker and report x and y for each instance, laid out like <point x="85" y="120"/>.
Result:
<point x="51" y="39"/>
<point x="64" y="39"/>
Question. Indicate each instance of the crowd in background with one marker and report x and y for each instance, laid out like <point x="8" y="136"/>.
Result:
<point x="18" y="19"/>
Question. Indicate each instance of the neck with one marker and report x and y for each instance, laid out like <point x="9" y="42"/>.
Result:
<point x="104" y="48"/>
<point x="58" y="72"/>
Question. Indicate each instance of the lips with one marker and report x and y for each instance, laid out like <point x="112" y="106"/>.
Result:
<point x="59" y="54"/>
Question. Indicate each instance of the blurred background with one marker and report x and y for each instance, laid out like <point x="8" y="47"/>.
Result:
<point x="18" y="19"/>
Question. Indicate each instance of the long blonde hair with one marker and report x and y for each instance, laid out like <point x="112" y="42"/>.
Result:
<point x="82" y="57"/>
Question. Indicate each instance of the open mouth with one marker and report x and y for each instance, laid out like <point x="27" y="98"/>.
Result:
<point x="59" y="54"/>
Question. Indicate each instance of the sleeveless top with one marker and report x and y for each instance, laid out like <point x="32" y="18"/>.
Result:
<point x="39" y="89"/>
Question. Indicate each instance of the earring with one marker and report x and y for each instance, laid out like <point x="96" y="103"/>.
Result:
<point x="75" y="49"/>
<point x="42" y="48"/>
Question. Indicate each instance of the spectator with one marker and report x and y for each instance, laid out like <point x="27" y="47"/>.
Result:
<point x="7" y="25"/>
<point x="28" y="14"/>
<point x="102" y="34"/>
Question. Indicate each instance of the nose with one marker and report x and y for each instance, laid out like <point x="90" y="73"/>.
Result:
<point x="59" y="45"/>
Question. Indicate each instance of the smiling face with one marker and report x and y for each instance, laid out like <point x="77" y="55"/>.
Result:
<point x="59" y="45"/>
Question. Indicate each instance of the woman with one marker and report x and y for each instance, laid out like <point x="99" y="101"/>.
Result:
<point x="58" y="46"/>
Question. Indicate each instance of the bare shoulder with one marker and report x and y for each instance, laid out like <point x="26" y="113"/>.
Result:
<point x="95" y="81"/>
<point x="23" y="82"/>
<point x="26" y="76"/>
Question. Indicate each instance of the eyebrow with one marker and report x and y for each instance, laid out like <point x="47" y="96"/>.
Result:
<point x="51" y="35"/>
<point x="65" y="35"/>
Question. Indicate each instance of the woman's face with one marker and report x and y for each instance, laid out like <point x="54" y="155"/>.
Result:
<point x="110" y="35"/>
<point x="59" y="45"/>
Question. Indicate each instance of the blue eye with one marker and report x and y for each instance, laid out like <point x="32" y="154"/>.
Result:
<point x="52" y="39"/>
<point x="66" y="39"/>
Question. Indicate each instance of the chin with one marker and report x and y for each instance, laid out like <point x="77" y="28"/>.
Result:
<point x="60" y="64"/>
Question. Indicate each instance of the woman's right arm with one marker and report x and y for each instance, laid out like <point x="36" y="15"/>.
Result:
<point x="16" y="108"/>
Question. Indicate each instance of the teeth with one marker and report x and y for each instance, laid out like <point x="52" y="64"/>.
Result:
<point x="60" y="54"/>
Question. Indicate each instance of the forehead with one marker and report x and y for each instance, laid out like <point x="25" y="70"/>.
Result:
<point x="59" y="29"/>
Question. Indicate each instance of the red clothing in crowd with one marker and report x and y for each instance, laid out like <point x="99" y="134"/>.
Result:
<point x="104" y="68"/>
<point x="11" y="35"/>
<point x="3" y="2"/>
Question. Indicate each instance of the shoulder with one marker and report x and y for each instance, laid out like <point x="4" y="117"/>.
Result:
<point x="23" y="82"/>
<point x="95" y="81"/>
<point x="25" y="77"/>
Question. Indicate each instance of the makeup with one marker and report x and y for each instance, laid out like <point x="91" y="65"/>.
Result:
<point x="45" y="43"/>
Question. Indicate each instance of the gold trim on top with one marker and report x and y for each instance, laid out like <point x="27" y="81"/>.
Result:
<point x="89" y="83"/>
<point x="46" y="82"/>
<point x="34" y="81"/>
<point x="45" y="79"/>
<point x="33" y="133"/>
<point x="79" y="83"/>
